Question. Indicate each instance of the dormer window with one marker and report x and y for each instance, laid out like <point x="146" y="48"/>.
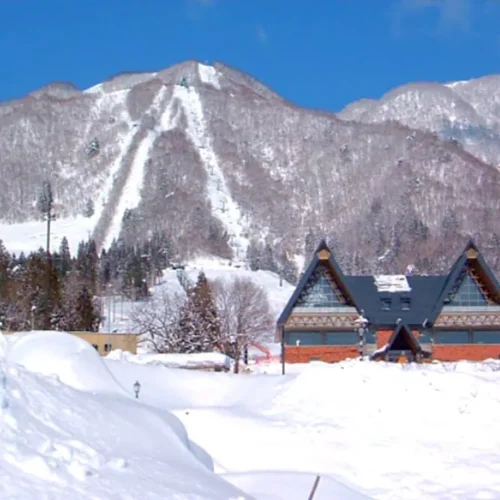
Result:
<point x="405" y="303"/>
<point x="386" y="304"/>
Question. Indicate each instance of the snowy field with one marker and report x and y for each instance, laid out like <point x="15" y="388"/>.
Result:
<point x="72" y="428"/>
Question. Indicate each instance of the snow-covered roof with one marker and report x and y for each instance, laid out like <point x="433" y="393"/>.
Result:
<point x="392" y="283"/>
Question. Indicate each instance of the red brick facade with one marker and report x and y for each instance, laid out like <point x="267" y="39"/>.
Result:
<point x="328" y="354"/>
<point x="332" y="354"/>
<point x="471" y="352"/>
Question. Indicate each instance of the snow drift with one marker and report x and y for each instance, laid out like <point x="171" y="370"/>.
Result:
<point x="96" y="442"/>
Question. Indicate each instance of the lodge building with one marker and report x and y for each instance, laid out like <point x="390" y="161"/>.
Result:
<point x="448" y="318"/>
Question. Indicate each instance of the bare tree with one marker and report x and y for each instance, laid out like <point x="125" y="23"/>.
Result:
<point x="158" y="321"/>
<point x="244" y="315"/>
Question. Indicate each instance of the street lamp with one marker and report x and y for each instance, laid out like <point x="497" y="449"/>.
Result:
<point x="361" y="326"/>
<point x="137" y="388"/>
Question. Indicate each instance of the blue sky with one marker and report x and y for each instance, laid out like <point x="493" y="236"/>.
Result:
<point x="322" y="54"/>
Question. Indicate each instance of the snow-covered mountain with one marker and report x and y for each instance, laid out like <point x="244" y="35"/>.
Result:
<point x="218" y="161"/>
<point x="466" y="111"/>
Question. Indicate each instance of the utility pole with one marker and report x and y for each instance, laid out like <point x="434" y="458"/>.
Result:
<point x="282" y="331"/>
<point x="46" y="206"/>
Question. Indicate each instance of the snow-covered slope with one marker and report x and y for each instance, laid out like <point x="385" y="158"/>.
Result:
<point x="58" y="442"/>
<point x="219" y="162"/>
<point x="223" y="205"/>
<point x="467" y="111"/>
<point x="392" y="431"/>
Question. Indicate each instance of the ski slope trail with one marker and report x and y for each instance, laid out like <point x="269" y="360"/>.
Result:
<point x="130" y="195"/>
<point x="224" y="207"/>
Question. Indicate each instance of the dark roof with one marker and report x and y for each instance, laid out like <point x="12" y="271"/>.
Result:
<point x="423" y="295"/>
<point x="343" y="284"/>
<point x="427" y="294"/>
<point x="400" y="329"/>
<point x="454" y="274"/>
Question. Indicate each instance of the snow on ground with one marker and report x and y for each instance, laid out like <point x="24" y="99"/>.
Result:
<point x="30" y="236"/>
<point x="391" y="431"/>
<point x="70" y="358"/>
<point x="96" y="443"/>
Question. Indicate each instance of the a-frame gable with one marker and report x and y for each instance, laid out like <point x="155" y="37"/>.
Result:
<point x="401" y="338"/>
<point x="470" y="283"/>
<point x="321" y="285"/>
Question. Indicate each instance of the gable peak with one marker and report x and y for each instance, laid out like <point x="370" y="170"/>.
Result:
<point x="471" y="248"/>
<point x="322" y="251"/>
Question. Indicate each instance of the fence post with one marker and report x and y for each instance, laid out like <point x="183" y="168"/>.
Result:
<point x="315" y="487"/>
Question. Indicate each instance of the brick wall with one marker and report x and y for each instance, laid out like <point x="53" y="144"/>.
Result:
<point x="328" y="354"/>
<point x="470" y="352"/>
<point x="383" y="337"/>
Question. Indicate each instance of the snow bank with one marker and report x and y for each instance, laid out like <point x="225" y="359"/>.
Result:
<point x="73" y="360"/>
<point x="58" y="442"/>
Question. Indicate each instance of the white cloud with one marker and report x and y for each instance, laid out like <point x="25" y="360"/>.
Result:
<point x="454" y="15"/>
<point x="262" y="35"/>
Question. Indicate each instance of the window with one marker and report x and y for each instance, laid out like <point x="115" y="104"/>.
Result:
<point x="486" y="337"/>
<point x="468" y="294"/>
<point x="321" y="291"/>
<point x="342" y="338"/>
<point x="424" y="338"/>
<point x="107" y="347"/>
<point x="304" y="338"/>
<point x="452" y="337"/>
<point x="405" y="303"/>
<point x="321" y="338"/>
<point x="386" y="304"/>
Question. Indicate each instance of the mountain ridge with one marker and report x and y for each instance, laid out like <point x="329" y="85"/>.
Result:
<point x="226" y="166"/>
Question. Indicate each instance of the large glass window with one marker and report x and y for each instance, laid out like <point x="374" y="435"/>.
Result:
<point x="452" y="337"/>
<point x="304" y="338"/>
<point x="486" y="337"/>
<point x="468" y="294"/>
<point x="320" y="291"/>
<point x="342" y="338"/>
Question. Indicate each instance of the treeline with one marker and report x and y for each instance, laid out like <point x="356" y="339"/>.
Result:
<point x="63" y="291"/>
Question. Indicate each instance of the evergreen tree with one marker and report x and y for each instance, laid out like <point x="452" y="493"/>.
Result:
<point x="85" y="310"/>
<point x="253" y="256"/>
<point x="40" y="291"/>
<point x="199" y="324"/>
<point x="289" y="270"/>
<point x="134" y="282"/>
<point x="64" y="260"/>
<point x="88" y="211"/>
